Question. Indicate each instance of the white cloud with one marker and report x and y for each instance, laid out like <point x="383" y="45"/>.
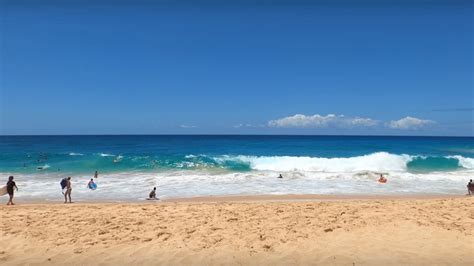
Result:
<point x="358" y="121"/>
<point x="187" y="126"/>
<point x="241" y="125"/>
<point x="330" y="120"/>
<point x="409" y="123"/>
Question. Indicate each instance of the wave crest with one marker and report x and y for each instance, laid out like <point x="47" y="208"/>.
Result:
<point x="467" y="163"/>
<point x="380" y="161"/>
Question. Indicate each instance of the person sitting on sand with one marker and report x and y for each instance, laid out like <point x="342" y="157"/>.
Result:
<point x="382" y="179"/>
<point x="67" y="194"/>
<point x="152" y="194"/>
<point x="470" y="187"/>
<point x="10" y="189"/>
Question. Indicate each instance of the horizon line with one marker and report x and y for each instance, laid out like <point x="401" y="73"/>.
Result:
<point x="282" y="135"/>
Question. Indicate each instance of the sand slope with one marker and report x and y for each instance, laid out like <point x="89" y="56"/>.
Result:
<point x="346" y="232"/>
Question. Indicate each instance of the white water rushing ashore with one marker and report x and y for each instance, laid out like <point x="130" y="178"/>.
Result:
<point x="126" y="186"/>
<point x="301" y="175"/>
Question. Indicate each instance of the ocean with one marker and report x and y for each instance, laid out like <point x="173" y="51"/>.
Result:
<point x="130" y="166"/>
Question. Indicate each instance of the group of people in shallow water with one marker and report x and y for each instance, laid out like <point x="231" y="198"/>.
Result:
<point x="66" y="185"/>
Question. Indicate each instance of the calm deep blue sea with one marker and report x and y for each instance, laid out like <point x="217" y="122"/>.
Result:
<point x="197" y="165"/>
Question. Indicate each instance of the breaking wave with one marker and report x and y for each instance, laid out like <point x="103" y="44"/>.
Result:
<point x="374" y="162"/>
<point x="379" y="161"/>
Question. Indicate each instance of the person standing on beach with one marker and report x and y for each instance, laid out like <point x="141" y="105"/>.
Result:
<point x="11" y="185"/>
<point x="470" y="187"/>
<point x="96" y="174"/>
<point x="67" y="194"/>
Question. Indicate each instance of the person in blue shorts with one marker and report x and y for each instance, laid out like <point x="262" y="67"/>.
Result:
<point x="91" y="184"/>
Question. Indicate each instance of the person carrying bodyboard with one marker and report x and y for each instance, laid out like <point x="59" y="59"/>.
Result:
<point x="63" y="184"/>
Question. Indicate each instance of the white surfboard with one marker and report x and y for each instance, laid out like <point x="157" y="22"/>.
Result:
<point x="3" y="191"/>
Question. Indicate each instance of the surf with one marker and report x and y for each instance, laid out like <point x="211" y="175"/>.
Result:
<point x="375" y="162"/>
<point x="379" y="161"/>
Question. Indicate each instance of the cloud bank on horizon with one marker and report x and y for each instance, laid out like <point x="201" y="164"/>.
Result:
<point x="301" y="121"/>
<point x="410" y="123"/>
<point x="342" y="121"/>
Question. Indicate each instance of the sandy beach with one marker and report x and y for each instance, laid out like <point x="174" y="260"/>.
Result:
<point x="249" y="231"/>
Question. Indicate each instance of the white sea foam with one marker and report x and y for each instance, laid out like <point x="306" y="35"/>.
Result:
<point x="301" y="175"/>
<point x="467" y="163"/>
<point x="106" y="155"/>
<point x="186" y="183"/>
<point x="75" y="154"/>
<point x="380" y="161"/>
<point x="43" y="167"/>
<point x="118" y="159"/>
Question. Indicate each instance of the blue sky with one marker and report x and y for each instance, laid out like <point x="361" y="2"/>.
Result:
<point x="275" y="67"/>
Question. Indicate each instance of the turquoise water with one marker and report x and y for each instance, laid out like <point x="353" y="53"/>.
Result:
<point x="425" y="164"/>
<point x="81" y="154"/>
<point x="222" y="165"/>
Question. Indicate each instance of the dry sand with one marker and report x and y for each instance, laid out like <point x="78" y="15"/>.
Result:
<point x="266" y="232"/>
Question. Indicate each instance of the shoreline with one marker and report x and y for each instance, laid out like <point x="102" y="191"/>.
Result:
<point x="253" y="198"/>
<point x="308" y="197"/>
